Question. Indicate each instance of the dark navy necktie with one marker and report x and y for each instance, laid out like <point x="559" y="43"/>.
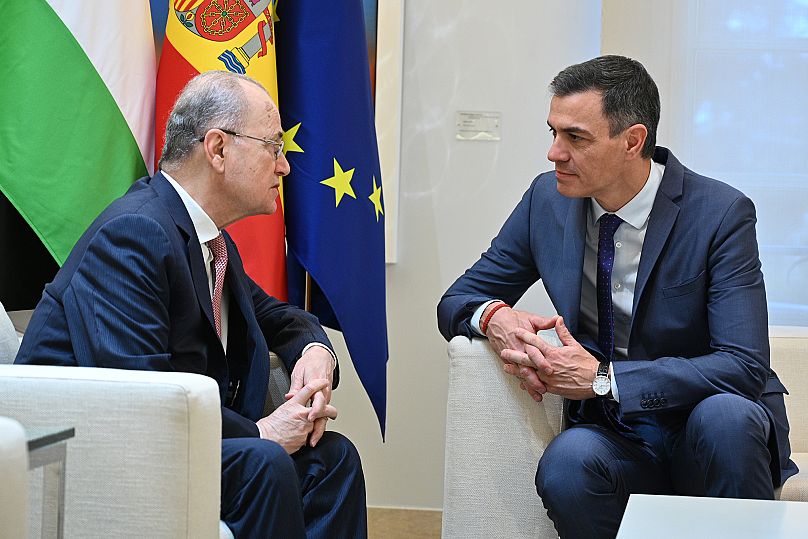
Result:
<point x="606" y="409"/>
<point x="609" y="223"/>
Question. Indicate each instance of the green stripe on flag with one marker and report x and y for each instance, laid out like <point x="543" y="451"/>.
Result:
<point x="66" y="149"/>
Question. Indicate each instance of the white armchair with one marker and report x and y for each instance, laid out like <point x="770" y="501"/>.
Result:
<point x="14" y="471"/>
<point x="145" y="460"/>
<point x="495" y="435"/>
<point x="146" y="457"/>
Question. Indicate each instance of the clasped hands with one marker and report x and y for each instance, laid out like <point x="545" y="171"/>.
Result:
<point x="566" y="370"/>
<point x="303" y="416"/>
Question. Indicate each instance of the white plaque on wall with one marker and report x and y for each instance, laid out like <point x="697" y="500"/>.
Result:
<point x="478" y="125"/>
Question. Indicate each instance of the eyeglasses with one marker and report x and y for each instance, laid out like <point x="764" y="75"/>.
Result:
<point x="278" y="144"/>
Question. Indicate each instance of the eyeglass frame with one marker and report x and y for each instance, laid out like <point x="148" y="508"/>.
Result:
<point x="268" y="141"/>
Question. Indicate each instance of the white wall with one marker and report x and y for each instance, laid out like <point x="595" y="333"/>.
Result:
<point x="454" y="196"/>
<point x="731" y="77"/>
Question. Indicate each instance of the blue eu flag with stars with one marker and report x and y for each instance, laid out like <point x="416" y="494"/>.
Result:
<point x="333" y="198"/>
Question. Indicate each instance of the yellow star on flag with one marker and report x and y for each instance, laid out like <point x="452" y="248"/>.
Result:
<point x="376" y="198"/>
<point x="289" y="144"/>
<point x="340" y="182"/>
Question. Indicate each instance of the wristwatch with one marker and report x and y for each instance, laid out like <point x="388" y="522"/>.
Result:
<point x="601" y="385"/>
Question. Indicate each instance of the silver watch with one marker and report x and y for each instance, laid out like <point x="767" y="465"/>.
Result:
<point x="601" y="385"/>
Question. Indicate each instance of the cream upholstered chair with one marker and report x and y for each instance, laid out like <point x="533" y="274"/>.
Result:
<point x="146" y="457"/>
<point x="9" y="338"/>
<point x="14" y="471"/>
<point x="495" y="435"/>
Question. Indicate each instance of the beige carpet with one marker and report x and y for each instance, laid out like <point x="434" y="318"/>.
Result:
<point x="384" y="523"/>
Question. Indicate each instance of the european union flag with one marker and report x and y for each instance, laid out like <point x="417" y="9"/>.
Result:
<point x="333" y="197"/>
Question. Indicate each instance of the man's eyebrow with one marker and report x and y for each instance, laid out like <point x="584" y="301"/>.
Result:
<point x="572" y="129"/>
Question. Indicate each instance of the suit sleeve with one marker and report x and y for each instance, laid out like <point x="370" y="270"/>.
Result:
<point x="505" y="271"/>
<point x="738" y="360"/>
<point x="235" y="425"/>
<point x="116" y="304"/>
<point x="287" y="328"/>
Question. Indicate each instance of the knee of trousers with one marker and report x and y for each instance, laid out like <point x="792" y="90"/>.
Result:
<point x="570" y="465"/>
<point x="727" y="420"/>
<point x="268" y="460"/>
<point x="728" y="424"/>
<point x="339" y="451"/>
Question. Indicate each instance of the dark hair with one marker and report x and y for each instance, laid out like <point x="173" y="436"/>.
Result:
<point x="630" y="95"/>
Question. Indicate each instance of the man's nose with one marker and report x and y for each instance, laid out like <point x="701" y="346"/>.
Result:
<point x="282" y="167"/>
<point x="556" y="153"/>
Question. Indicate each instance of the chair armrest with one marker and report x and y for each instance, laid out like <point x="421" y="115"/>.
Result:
<point x="495" y="435"/>
<point x="146" y="457"/>
<point x="14" y="471"/>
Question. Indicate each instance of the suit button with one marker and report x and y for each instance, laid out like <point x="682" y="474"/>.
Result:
<point x="644" y="403"/>
<point x="656" y="402"/>
<point x="663" y="401"/>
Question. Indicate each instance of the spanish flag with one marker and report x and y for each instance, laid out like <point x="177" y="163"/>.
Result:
<point x="238" y="36"/>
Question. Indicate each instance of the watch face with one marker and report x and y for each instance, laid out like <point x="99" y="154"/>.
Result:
<point x="601" y="385"/>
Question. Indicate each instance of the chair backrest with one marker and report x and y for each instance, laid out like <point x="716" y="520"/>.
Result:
<point x="14" y="471"/>
<point x="9" y="340"/>
<point x="789" y="357"/>
<point x="277" y="385"/>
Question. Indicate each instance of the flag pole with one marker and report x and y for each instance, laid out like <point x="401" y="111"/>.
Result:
<point x="307" y="298"/>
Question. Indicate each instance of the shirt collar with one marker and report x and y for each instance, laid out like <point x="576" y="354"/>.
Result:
<point x="637" y="210"/>
<point x="204" y="226"/>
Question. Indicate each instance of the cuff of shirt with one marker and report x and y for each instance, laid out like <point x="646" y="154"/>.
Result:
<point x="321" y="345"/>
<point x="477" y="316"/>
<point x="613" y="382"/>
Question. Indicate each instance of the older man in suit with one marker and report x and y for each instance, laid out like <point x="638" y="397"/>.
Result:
<point x="156" y="284"/>
<point x="654" y="271"/>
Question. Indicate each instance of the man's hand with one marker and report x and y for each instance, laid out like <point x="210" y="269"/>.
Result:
<point x="317" y="363"/>
<point x="501" y="333"/>
<point x="567" y="370"/>
<point x="291" y="424"/>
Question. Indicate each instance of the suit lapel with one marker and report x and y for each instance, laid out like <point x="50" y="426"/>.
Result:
<point x="179" y="214"/>
<point x="660" y="222"/>
<point x="256" y="353"/>
<point x="572" y="255"/>
<point x="236" y="285"/>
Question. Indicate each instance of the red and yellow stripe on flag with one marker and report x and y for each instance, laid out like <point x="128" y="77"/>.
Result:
<point x="239" y="36"/>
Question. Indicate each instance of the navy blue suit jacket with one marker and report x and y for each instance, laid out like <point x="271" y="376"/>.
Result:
<point x="133" y="294"/>
<point x="699" y="319"/>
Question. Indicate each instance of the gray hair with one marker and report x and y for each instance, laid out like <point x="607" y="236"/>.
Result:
<point x="213" y="99"/>
<point x="630" y="95"/>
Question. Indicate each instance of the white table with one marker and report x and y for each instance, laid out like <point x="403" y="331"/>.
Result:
<point x="677" y="517"/>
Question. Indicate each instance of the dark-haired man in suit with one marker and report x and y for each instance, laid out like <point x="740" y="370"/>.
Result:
<point x="654" y="271"/>
<point x="156" y="284"/>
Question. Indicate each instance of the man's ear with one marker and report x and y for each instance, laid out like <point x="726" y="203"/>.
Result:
<point x="635" y="140"/>
<point x="213" y="147"/>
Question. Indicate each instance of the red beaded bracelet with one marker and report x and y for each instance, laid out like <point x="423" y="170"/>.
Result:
<point x="495" y="308"/>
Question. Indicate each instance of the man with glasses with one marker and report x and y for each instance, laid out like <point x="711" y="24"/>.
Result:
<point x="156" y="284"/>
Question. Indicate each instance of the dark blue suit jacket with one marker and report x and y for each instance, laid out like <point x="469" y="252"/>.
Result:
<point x="699" y="322"/>
<point x="133" y="294"/>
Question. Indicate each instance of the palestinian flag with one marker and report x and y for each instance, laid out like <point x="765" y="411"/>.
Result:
<point x="238" y="36"/>
<point x="76" y="121"/>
